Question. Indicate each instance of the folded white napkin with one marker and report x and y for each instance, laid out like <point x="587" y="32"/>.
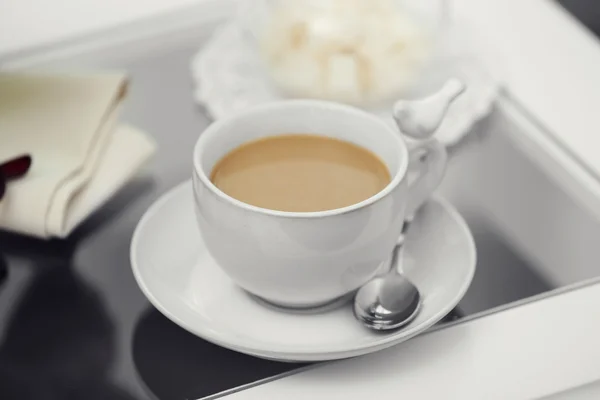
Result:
<point x="81" y="155"/>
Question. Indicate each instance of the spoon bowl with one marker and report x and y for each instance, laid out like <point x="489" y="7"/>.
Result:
<point x="388" y="302"/>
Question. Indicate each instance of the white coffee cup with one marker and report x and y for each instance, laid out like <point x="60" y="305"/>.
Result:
<point x="308" y="259"/>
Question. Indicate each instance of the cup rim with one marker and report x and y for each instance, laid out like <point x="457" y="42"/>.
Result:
<point x="214" y="128"/>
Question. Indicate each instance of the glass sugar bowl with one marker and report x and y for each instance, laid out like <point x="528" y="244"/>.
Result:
<point x="361" y="52"/>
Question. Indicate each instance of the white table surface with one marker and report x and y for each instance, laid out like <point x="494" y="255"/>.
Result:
<point x="590" y="391"/>
<point x="31" y="23"/>
<point x="553" y="69"/>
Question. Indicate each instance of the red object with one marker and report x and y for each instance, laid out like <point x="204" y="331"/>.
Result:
<point x="13" y="169"/>
<point x="16" y="167"/>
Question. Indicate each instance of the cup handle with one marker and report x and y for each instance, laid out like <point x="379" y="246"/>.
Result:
<point x="426" y="167"/>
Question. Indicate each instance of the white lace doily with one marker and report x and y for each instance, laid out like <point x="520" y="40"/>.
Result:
<point x="229" y="78"/>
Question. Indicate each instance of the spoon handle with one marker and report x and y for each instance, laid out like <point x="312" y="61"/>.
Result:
<point x="394" y="259"/>
<point x="398" y="249"/>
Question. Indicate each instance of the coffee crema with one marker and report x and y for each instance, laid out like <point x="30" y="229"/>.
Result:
<point x="300" y="173"/>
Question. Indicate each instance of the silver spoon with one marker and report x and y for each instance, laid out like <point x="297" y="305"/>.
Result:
<point x="390" y="301"/>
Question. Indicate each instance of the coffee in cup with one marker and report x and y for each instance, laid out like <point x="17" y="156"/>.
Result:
<point x="300" y="173"/>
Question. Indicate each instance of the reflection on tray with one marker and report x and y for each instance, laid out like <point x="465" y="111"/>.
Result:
<point x="59" y="342"/>
<point x="175" y="364"/>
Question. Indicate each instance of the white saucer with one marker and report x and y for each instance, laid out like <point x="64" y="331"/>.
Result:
<point x="179" y="277"/>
